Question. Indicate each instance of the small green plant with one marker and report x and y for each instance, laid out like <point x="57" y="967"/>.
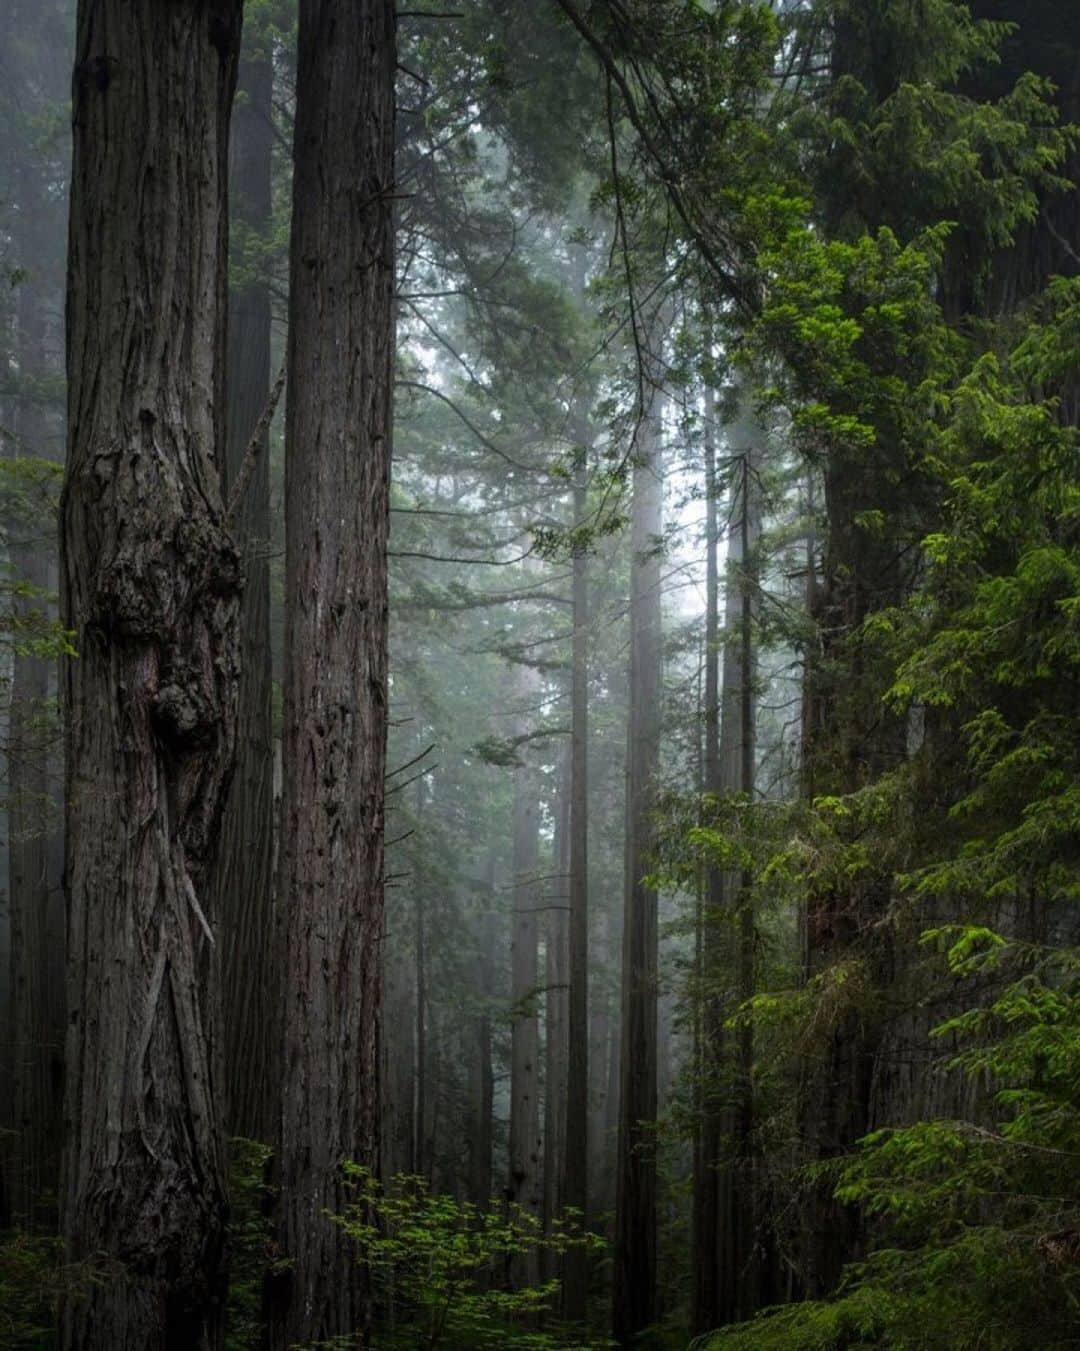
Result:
<point x="438" y="1267"/>
<point x="250" y="1234"/>
<point x="34" y="1281"/>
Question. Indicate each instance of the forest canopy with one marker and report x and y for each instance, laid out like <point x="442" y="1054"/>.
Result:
<point x="539" y="674"/>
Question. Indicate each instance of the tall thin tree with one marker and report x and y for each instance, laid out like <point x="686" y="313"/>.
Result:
<point x="524" y="1145"/>
<point x="575" y="1180"/>
<point x="635" y="1201"/>
<point x="338" y="434"/>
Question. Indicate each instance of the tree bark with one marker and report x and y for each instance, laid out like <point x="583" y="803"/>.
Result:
<point x="338" y="435"/>
<point x="482" y="1079"/>
<point x="524" y="1146"/>
<point x="575" y="1181"/>
<point x="709" y="1279"/>
<point x="243" y="884"/>
<point x="738" y="1267"/>
<point x="150" y="588"/>
<point x="635" y="1201"/>
<point x="556" y="1049"/>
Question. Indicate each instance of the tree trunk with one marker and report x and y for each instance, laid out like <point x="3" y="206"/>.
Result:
<point x="738" y="1267"/>
<point x="150" y="588"/>
<point x="635" y="1201"/>
<point x="575" y="1183"/>
<point x="398" y="1049"/>
<point x="556" y="1050"/>
<point x="338" y="428"/>
<point x="243" y="881"/>
<point x="709" y="1279"/>
<point x="422" y="1156"/>
<point x="523" y="1183"/>
<point x="482" y="1080"/>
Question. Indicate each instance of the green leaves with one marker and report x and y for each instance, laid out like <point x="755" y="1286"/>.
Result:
<point x="437" y="1266"/>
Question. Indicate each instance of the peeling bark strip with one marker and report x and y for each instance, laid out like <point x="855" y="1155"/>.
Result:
<point x="150" y="585"/>
<point x="338" y="424"/>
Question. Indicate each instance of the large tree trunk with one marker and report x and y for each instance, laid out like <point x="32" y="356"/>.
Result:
<point x="524" y="1148"/>
<point x="338" y="427"/>
<point x="243" y="880"/>
<point x="635" y="1201"/>
<point x="150" y="588"/>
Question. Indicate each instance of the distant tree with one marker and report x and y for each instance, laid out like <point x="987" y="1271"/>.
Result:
<point x="635" y="1204"/>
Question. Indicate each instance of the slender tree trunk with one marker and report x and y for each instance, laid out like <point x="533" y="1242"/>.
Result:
<point x="556" y="1050"/>
<point x="612" y="1067"/>
<point x="422" y="1158"/>
<point x="709" y="1279"/>
<point x="635" y="1202"/>
<point x="524" y="1183"/>
<point x="338" y="430"/>
<point x="398" y="1049"/>
<point x="575" y="1182"/>
<point x="482" y="1094"/>
<point x="243" y="881"/>
<point x="151" y="585"/>
<point x="738" y="1265"/>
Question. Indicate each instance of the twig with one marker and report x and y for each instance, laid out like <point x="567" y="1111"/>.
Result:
<point x="251" y="455"/>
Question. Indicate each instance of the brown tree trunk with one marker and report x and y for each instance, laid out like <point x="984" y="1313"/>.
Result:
<point x="709" y="1279"/>
<point x="575" y="1180"/>
<point x="524" y="1146"/>
<point x="150" y="588"/>
<point x="398" y="1049"/>
<point x="243" y="880"/>
<point x="338" y="428"/>
<point x="423" y="1157"/>
<point x="635" y="1201"/>
<point x="482" y="1079"/>
<point x="556" y="1050"/>
<point x="738" y="1268"/>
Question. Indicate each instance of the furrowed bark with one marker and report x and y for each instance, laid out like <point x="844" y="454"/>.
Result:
<point x="338" y="437"/>
<point x="150" y="587"/>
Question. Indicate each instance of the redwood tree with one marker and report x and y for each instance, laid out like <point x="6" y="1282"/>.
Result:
<point x="150" y="586"/>
<point x="635" y="1200"/>
<point x="338" y="423"/>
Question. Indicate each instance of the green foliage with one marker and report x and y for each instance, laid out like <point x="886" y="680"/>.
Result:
<point x="976" y="1217"/>
<point x="438" y="1267"/>
<point x="34" y="1279"/>
<point x="250" y="1234"/>
<point x="29" y="1291"/>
